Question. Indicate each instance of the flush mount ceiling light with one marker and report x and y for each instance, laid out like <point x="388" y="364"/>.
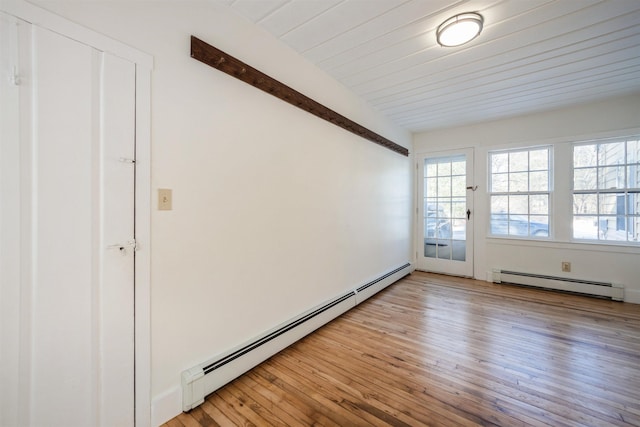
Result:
<point x="459" y="29"/>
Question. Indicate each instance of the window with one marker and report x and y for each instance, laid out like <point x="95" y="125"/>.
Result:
<point x="606" y="190"/>
<point x="519" y="187"/>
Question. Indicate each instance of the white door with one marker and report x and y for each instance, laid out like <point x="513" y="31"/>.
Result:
<point x="67" y="224"/>
<point x="445" y="212"/>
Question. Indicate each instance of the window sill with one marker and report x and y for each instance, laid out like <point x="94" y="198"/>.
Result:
<point x="590" y="246"/>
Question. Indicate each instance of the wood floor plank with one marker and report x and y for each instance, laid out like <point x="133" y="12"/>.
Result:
<point x="269" y="408"/>
<point x="396" y="398"/>
<point x="253" y="411"/>
<point x="211" y="413"/>
<point x="351" y="398"/>
<point x="446" y="395"/>
<point x="337" y="406"/>
<point x="233" y="409"/>
<point x="445" y="351"/>
<point x="188" y="420"/>
<point x="365" y="392"/>
<point x="297" y="395"/>
<point x="174" y="423"/>
<point x="521" y="350"/>
<point x="527" y="348"/>
<point x="286" y="405"/>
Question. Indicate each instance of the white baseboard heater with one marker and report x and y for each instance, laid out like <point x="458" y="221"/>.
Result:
<point x="207" y="377"/>
<point x="612" y="291"/>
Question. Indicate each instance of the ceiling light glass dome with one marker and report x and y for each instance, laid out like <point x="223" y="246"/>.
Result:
<point x="459" y="29"/>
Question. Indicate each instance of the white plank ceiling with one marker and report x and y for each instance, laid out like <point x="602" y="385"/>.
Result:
<point x="532" y="55"/>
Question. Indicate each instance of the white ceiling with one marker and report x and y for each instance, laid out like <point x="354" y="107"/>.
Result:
<point x="532" y="55"/>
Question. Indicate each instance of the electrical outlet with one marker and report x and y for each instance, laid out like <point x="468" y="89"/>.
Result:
<point x="566" y="266"/>
<point x="165" y="202"/>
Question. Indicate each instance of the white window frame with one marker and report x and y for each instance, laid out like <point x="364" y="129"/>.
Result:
<point x="597" y="192"/>
<point x="549" y="192"/>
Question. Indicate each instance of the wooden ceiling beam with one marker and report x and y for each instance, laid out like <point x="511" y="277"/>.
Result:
<point x="226" y="63"/>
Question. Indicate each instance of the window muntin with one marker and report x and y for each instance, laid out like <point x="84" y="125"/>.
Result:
<point x="606" y="190"/>
<point x="519" y="186"/>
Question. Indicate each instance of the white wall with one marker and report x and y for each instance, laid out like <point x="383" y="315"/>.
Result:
<point x="274" y="210"/>
<point x="613" y="117"/>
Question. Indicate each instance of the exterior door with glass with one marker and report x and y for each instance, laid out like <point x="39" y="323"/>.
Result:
<point x="445" y="212"/>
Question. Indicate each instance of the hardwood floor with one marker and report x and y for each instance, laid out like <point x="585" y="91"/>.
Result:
<point x="437" y="350"/>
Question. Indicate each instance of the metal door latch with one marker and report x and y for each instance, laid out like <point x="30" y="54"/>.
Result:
<point x="131" y="244"/>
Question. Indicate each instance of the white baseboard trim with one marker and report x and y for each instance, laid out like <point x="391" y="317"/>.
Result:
<point x="166" y="406"/>
<point x="632" y="296"/>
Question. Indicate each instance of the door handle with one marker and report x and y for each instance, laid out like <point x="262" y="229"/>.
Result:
<point x="468" y="214"/>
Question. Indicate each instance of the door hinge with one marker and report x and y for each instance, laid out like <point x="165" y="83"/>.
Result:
<point x="14" y="78"/>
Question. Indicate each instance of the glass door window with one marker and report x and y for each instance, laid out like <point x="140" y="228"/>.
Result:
<point x="445" y="208"/>
<point x="445" y="214"/>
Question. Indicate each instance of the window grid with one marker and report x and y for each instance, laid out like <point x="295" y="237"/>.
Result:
<point x="519" y="187"/>
<point x="606" y="191"/>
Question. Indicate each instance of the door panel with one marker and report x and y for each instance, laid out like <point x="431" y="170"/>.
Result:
<point x="117" y="146"/>
<point x="445" y="210"/>
<point x="65" y="272"/>
<point x="72" y="151"/>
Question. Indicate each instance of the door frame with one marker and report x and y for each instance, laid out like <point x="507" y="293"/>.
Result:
<point x="471" y="187"/>
<point x="142" y="278"/>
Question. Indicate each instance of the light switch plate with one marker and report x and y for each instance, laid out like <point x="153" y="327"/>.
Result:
<point x="165" y="199"/>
